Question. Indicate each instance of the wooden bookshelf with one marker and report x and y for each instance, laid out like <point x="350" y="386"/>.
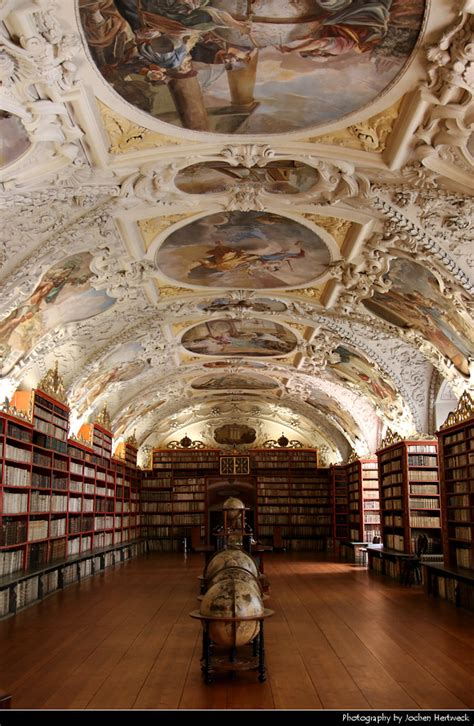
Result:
<point x="127" y="452"/>
<point x="340" y="500"/>
<point x="60" y="498"/>
<point x="173" y="497"/>
<point x="410" y="504"/>
<point x="16" y="449"/>
<point x="363" y="500"/>
<point x="410" y="495"/>
<point x="457" y="472"/>
<point x="291" y="494"/>
<point x="98" y="438"/>
<point x="454" y="580"/>
<point x="294" y="495"/>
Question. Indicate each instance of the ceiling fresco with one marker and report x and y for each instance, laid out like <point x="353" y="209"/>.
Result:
<point x="228" y="364"/>
<point x="341" y="417"/>
<point x="234" y="337"/>
<point x="415" y="301"/>
<point x="248" y="250"/>
<point x="62" y="296"/>
<point x="219" y="214"/>
<point x="233" y="381"/>
<point x="121" y="365"/>
<point x="232" y="66"/>
<point x="356" y="370"/>
<point x="277" y="177"/>
<point x="258" y="305"/>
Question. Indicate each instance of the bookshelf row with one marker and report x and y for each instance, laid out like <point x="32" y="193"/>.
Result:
<point x="294" y="499"/>
<point x="19" y="592"/>
<point x="60" y="497"/>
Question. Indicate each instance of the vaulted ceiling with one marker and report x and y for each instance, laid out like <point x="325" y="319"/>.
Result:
<point x="239" y="212"/>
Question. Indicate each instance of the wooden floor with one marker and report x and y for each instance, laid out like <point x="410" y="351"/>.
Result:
<point x="341" y="638"/>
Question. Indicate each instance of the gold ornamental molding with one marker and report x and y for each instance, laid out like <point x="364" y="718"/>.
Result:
<point x="297" y="326"/>
<point x="124" y="135"/>
<point x="353" y="456"/>
<point x="313" y="293"/>
<point x="391" y="437"/>
<point x="186" y="443"/>
<point x="177" y="327"/>
<point x="103" y="418"/>
<point x="170" y="291"/>
<point x="153" y="226"/>
<point x="282" y="443"/>
<point x="132" y="439"/>
<point x="52" y="383"/>
<point x="336" y="227"/>
<point x="371" y="135"/>
<point x="463" y="412"/>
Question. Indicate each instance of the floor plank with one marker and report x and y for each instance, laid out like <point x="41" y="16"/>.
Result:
<point x="341" y="638"/>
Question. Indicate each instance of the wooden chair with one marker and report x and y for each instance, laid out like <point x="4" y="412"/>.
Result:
<point x="411" y="568"/>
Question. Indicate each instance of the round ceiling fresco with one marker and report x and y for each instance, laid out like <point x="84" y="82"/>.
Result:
<point x="243" y="250"/>
<point x="238" y="338"/>
<point x="250" y="66"/>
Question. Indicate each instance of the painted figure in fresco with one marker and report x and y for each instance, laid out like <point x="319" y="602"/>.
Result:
<point x="412" y="311"/>
<point x="63" y="295"/>
<point x="109" y="35"/>
<point x="383" y="28"/>
<point x="222" y="258"/>
<point x="354" y="369"/>
<point x="415" y="301"/>
<point x="215" y="38"/>
<point x="44" y="294"/>
<point x="95" y="386"/>
<point x="356" y="24"/>
<point x="282" y="177"/>
<point x="237" y="337"/>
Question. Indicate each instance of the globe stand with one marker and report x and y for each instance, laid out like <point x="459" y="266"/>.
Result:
<point x="235" y="658"/>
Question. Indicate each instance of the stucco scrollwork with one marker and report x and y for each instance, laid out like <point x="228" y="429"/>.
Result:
<point x="248" y="155"/>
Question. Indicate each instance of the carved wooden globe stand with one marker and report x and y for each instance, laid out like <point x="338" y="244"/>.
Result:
<point x="232" y="617"/>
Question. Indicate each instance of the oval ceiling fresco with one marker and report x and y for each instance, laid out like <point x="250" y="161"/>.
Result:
<point x="233" y="381"/>
<point x="238" y="338"/>
<point x="243" y="250"/>
<point x="234" y="66"/>
<point x="277" y="177"/>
